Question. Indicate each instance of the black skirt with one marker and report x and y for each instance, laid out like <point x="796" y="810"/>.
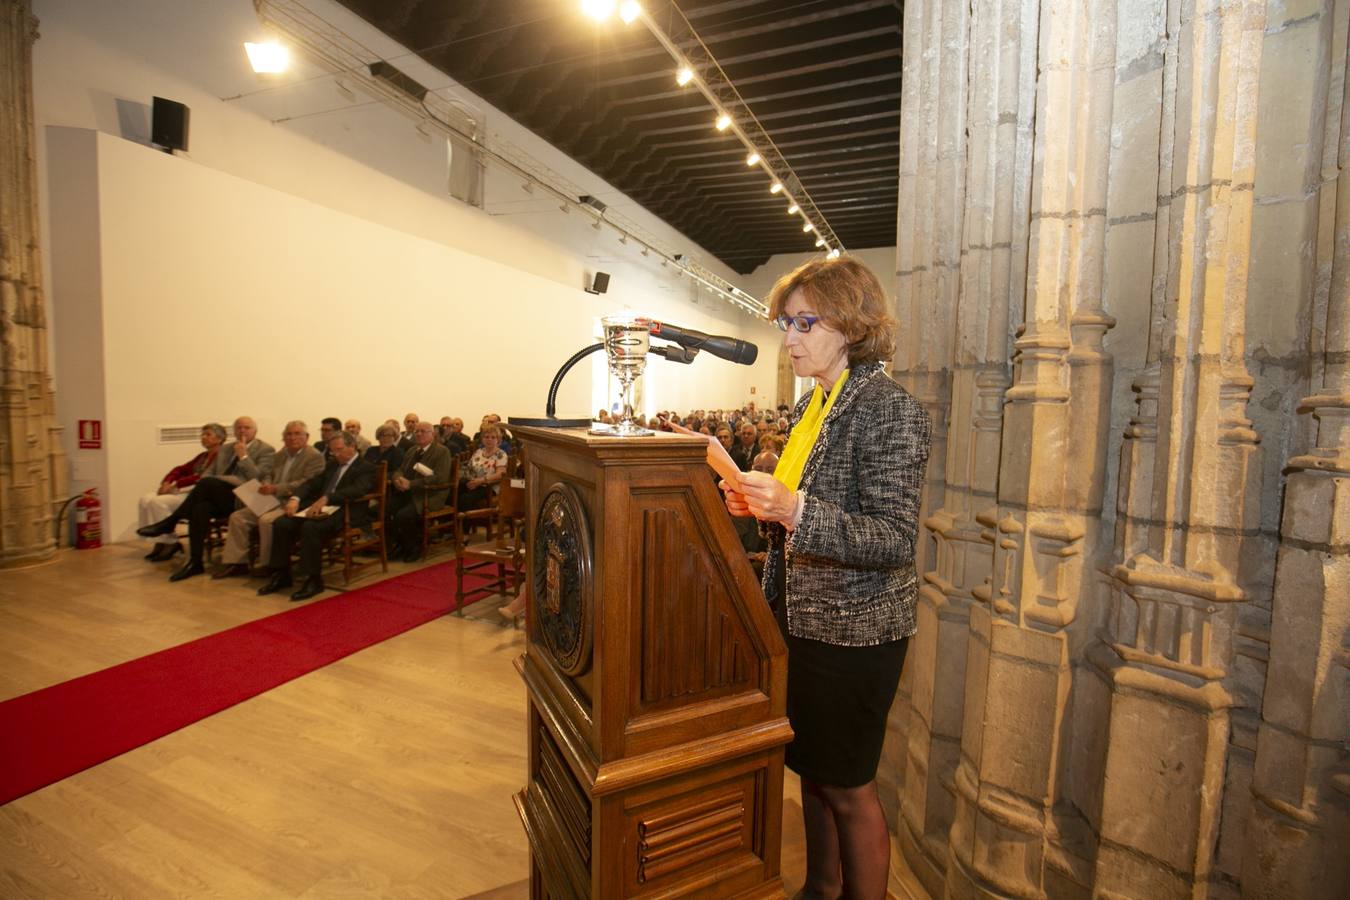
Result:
<point x="838" y="700"/>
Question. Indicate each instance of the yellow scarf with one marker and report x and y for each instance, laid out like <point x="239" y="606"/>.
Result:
<point x="803" y="438"/>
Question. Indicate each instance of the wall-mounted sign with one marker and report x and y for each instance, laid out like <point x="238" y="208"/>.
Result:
<point x="91" y="434"/>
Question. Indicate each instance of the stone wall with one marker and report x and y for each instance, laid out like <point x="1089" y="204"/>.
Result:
<point x="1123" y="283"/>
<point x="32" y="465"/>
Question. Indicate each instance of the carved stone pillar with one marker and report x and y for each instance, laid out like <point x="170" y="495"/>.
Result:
<point x="992" y="285"/>
<point x="1051" y="475"/>
<point x="32" y="465"/>
<point x="928" y="246"/>
<point x="1186" y="477"/>
<point x="1300" y="823"/>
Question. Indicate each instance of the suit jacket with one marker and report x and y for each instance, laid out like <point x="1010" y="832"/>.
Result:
<point x="308" y="463"/>
<point x="850" y="576"/>
<point x="436" y="458"/>
<point x="254" y="465"/>
<point x="744" y="456"/>
<point x="358" y="481"/>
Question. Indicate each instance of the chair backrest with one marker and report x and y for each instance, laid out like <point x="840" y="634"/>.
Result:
<point x="511" y="500"/>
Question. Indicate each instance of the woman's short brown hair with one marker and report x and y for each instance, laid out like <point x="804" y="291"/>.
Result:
<point x="849" y="298"/>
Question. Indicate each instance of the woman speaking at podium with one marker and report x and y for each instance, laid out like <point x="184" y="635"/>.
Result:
<point x="840" y="513"/>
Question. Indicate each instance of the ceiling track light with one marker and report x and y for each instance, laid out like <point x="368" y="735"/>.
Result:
<point x="752" y="159"/>
<point x="723" y="122"/>
<point x="599" y="10"/>
<point x="776" y="187"/>
<point x="808" y="227"/>
<point x="794" y="209"/>
<point x="684" y="76"/>
<point x="820" y="242"/>
<point x="629" y="10"/>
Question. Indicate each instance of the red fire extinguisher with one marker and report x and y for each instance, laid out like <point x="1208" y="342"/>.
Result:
<point x="88" y="521"/>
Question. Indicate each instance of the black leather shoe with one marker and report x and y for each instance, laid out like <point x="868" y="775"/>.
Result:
<point x="311" y="588"/>
<point x="230" y="571"/>
<point x="189" y="569"/>
<point x="278" y="581"/>
<point x="158" y="529"/>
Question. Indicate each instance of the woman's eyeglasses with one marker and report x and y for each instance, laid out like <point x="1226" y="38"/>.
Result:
<point x="798" y="323"/>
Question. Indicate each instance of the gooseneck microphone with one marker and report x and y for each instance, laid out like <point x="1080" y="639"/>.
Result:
<point x="730" y="349"/>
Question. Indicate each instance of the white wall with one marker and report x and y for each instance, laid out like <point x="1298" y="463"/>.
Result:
<point x="310" y="267"/>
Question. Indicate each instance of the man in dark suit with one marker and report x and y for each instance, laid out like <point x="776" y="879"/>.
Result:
<point x="746" y="448"/>
<point x="426" y="464"/>
<point x="327" y="428"/>
<point x="346" y="477"/>
<point x="408" y="439"/>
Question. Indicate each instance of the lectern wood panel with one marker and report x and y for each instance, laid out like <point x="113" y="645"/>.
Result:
<point x="656" y="678"/>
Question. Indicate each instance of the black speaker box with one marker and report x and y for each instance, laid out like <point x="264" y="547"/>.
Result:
<point x="169" y="124"/>
<point x="600" y="284"/>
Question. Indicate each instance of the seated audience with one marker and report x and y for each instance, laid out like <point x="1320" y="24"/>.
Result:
<point x="173" y="489"/>
<point x="454" y="438"/>
<point x="409" y="493"/>
<point x="213" y="496"/>
<point x="294" y="464"/>
<point x="345" y="477"/>
<point x="480" y="478"/>
<point x="353" y="427"/>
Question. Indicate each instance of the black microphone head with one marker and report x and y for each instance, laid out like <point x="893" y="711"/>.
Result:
<point x="746" y="353"/>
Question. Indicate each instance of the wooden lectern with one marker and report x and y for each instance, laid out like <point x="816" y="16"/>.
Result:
<point x="656" y="677"/>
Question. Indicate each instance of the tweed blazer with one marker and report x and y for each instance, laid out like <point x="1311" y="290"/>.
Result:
<point x="308" y="463"/>
<point x="850" y="562"/>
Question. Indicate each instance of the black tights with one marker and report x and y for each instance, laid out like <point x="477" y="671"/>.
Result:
<point x="848" y="849"/>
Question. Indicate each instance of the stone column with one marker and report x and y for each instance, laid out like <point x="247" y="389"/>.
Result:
<point x="1300" y="822"/>
<point x="991" y="291"/>
<point x="928" y="247"/>
<point x="1052" y="469"/>
<point x="32" y="465"/>
<point x="1188" y="480"/>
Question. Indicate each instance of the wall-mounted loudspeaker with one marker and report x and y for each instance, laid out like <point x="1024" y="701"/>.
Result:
<point x="600" y="284"/>
<point x="169" y="125"/>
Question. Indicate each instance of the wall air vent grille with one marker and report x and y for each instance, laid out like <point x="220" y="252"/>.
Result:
<point x="180" y="434"/>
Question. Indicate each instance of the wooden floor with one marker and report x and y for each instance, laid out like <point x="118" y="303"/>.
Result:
<point x="386" y="774"/>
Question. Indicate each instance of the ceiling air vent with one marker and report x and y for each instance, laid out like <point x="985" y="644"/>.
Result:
<point x="180" y="434"/>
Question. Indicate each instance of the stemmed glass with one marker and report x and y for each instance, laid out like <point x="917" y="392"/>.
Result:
<point x="626" y="341"/>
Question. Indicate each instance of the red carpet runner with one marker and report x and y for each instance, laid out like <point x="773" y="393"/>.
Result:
<point x="57" y="731"/>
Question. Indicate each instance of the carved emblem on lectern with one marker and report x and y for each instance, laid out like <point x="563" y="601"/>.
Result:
<point x="561" y="579"/>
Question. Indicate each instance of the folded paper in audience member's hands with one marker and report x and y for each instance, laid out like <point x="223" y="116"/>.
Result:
<point x="718" y="457"/>
<point x="308" y="513"/>
<point x="423" y="469"/>
<point x="257" y="503"/>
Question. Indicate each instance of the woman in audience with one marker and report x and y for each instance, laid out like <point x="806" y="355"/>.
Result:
<point x="174" y="487"/>
<point x="840" y="513"/>
<point x="484" y="471"/>
<point x="386" y="449"/>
